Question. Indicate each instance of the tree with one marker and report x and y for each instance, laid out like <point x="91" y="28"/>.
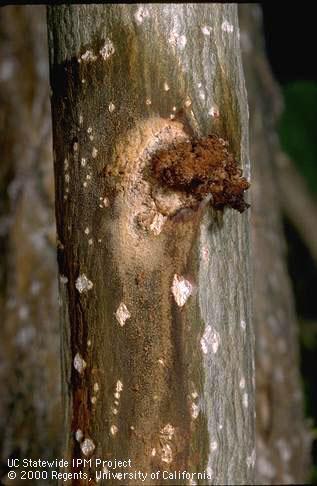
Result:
<point x="283" y="439"/>
<point x="157" y="332"/>
<point x="30" y="405"/>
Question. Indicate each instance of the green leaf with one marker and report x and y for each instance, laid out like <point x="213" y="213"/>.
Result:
<point x="298" y="128"/>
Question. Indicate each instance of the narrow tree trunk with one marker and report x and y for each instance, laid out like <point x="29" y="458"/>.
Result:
<point x="157" y="333"/>
<point x="30" y="404"/>
<point x="283" y="441"/>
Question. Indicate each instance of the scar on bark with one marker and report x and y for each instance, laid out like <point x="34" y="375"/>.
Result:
<point x="201" y="167"/>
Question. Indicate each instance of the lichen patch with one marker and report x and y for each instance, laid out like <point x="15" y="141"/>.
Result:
<point x="210" y="340"/>
<point x="119" y="386"/>
<point x="194" y="410"/>
<point x="122" y="314"/>
<point x="227" y="27"/>
<point x="206" y="30"/>
<point x="79" y="363"/>
<point x="177" y="40"/>
<point x="181" y="290"/>
<point x="87" y="447"/>
<point x="167" y="432"/>
<point x="79" y="435"/>
<point x="88" y="56"/>
<point x="113" y="430"/>
<point x="141" y="14"/>
<point x="111" y="107"/>
<point x="107" y="50"/>
<point x="63" y="279"/>
<point x="83" y="284"/>
<point x="167" y="454"/>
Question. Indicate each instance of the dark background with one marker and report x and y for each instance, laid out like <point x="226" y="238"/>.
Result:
<point x="290" y="36"/>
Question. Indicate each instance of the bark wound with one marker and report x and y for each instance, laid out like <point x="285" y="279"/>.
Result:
<point x="173" y="173"/>
<point x="203" y="166"/>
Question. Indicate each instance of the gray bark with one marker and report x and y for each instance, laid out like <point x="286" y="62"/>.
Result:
<point x="30" y="404"/>
<point x="283" y="439"/>
<point x="169" y="386"/>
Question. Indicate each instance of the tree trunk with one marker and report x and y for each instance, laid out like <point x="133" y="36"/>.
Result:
<point x="157" y="333"/>
<point x="283" y="441"/>
<point x="30" y="404"/>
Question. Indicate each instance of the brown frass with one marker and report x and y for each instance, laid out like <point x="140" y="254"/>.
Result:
<point x="202" y="166"/>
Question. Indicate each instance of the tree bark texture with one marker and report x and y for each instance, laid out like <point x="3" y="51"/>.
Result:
<point x="157" y="331"/>
<point x="283" y="439"/>
<point x="30" y="404"/>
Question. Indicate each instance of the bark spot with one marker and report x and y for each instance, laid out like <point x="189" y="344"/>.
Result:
<point x="213" y="446"/>
<point x="194" y="410"/>
<point x="87" y="447"/>
<point x="105" y="203"/>
<point x="227" y="27"/>
<point x="107" y="50"/>
<point x="79" y="363"/>
<point x="251" y="459"/>
<point x="214" y="112"/>
<point x="113" y="430"/>
<point x="242" y="383"/>
<point x="206" y="30"/>
<point x="83" y="284"/>
<point x="177" y="40"/>
<point x="63" y="279"/>
<point x="88" y="56"/>
<point x="166" y="436"/>
<point x="141" y="14"/>
<point x="205" y="254"/>
<point x="79" y="435"/>
<point x="167" y="454"/>
<point x="122" y="314"/>
<point x="167" y="432"/>
<point x="181" y="290"/>
<point x="119" y="386"/>
<point x="210" y="339"/>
